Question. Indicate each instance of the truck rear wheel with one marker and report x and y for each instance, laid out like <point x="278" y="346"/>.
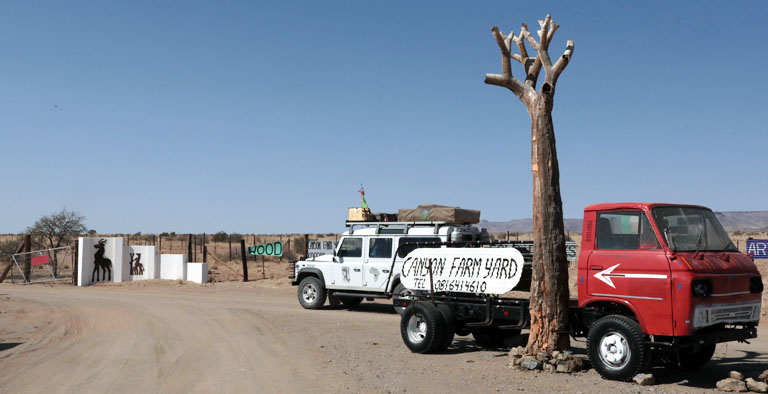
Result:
<point x="311" y="293"/>
<point x="449" y="331"/>
<point x="616" y="347"/>
<point x="695" y="357"/>
<point x="422" y="327"/>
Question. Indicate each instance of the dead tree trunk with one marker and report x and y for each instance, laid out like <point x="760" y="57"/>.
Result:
<point x="549" y="294"/>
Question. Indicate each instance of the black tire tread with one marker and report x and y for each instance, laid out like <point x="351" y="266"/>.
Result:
<point x="629" y="327"/>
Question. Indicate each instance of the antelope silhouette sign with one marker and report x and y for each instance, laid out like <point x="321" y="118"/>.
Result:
<point x="101" y="262"/>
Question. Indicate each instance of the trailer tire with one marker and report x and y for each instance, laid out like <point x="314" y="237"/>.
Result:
<point x="312" y="293"/>
<point x="351" y="302"/>
<point x="422" y="327"/>
<point x="695" y="358"/>
<point x="449" y="327"/>
<point x="616" y="347"/>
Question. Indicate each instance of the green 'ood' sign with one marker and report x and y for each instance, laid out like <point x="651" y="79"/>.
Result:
<point x="270" y="249"/>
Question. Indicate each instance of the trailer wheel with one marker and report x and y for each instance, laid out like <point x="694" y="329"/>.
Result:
<point x="695" y="357"/>
<point x="311" y="293"/>
<point x="350" y="302"/>
<point x="400" y="290"/>
<point x="422" y="327"/>
<point x="449" y="331"/>
<point x="616" y="347"/>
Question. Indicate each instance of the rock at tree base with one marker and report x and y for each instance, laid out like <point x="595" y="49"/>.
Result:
<point x="758" y="387"/>
<point x="736" y="375"/>
<point x="731" y="384"/>
<point x="644" y="379"/>
<point x="763" y="376"/>
<point x="549" y="368"/>
<point x="530" y="362"/>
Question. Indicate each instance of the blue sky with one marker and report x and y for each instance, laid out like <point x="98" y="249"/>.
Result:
<point x="266" y="117"/>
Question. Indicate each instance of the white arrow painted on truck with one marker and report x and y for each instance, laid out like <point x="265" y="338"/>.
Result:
<point x="607" y="274"/>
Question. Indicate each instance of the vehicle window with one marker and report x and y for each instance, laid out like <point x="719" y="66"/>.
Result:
<point x="351" y="247"/>
<point x="625" y="231"/>
<point x="691" y="229"/>
<point x="428" y="242"/>
<point x="380" y="247"/>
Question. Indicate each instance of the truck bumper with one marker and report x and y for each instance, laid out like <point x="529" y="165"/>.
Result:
<point x="720" y="335"/>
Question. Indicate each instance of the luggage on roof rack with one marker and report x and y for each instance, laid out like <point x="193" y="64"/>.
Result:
<point x="439" y="213"/>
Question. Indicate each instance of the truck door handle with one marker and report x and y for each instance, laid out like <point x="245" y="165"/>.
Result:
<point x="357" y="269"/>
<point x="595" y="267"/>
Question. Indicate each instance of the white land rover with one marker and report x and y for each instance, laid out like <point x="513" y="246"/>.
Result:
<point x="368" y="260"/>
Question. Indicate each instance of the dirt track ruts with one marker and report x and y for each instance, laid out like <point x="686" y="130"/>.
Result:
<point x="229" y="337"/>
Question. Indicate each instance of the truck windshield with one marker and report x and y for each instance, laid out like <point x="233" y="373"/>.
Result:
<point x="688" y="229"/>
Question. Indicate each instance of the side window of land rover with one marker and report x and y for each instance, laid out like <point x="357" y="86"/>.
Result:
<point x="351" y="247"/>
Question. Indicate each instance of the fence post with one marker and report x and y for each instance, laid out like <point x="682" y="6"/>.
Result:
<point x="229" y="238"/>
<point x="245" y="262"/>
<point x="306" y="246"/>
<point x="189" y="247"/>
<point x="74" y="262"/>
<point x="205" y="254"/>
<point x="28" y="257"/>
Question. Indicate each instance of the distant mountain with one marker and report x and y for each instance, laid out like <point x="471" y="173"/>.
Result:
<point x="732" y="221"/>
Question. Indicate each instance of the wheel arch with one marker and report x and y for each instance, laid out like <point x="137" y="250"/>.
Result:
<point x="306" y="272"/>
<point x="618" y="307"/>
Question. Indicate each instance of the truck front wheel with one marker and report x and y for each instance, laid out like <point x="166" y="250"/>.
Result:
<point x="616" y="347"/>
<point x="422" y="327"/>
<point x="311" y="293"/>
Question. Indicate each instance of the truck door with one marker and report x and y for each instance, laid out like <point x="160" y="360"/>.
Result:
<point x="628" y="265"/>
<point x="376" y="269"/>
<point x="348" y="271"/>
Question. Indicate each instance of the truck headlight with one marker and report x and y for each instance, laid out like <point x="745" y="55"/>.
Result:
<point x="701" y="287"/>
<point x="755" y="284"/>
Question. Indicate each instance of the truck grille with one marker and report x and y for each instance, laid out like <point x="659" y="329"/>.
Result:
<point x="707" y="316"/>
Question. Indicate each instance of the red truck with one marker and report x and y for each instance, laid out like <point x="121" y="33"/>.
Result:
<point x="659" y="282"/>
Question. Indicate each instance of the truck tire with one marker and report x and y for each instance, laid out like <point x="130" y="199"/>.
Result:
<point x="422" y="327"/>
<point x="350" y="302"/>
<point x="616" y="347"/>
<point x="400" y="290"/>
<point x="448" y="322"/>
<point x="311" y="293"/>
<point x="695" y="357"/>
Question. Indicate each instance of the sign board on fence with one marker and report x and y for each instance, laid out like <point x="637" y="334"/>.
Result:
<point x="757" y="248"/>
<point x="319" y="248"/>
<point x="270" y="249"/>
<point x="40" y="260"/>
<point x="465" y="270"/>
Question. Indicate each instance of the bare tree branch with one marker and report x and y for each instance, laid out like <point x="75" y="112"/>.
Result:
<point x="562" y="62"/>
<point x="529" y="37"/>
<point x="506" y="67"/>
<point x="508" y="82"/>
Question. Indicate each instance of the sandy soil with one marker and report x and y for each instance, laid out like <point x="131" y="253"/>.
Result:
<point x="166" y="336"/>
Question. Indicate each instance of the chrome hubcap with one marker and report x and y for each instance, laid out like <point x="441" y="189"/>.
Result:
<point x="309" y="293"/>
<point x="614" y="350"/>
<point x="417" y="329"/>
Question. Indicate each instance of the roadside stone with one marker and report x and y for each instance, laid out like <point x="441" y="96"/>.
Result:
<point x="758" y="387"/>
<point x="731" y="384"/>
<point x="555" y="353"/>
<point x="575" y="364"/>
<point x="516" y="351"/>
<point x="736" y="375"/>
<point x="644" y="379"/>
<point x="560" y="356"/>
<point x="516" y="361"/>
<point x="552" y="361"/>
<point x="530" y="363"/>
<point x="541" y="356"/>
<point x="562" y="367"/>
<point x="763" y="376"/>
<point x="549" y="368"/>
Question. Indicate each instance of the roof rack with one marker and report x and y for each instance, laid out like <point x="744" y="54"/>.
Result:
<point x="405" y="225"/>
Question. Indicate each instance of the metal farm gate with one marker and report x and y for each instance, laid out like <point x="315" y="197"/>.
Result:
<point x="45" y="265"/>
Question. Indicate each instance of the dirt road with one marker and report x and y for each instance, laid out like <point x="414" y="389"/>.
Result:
<point x="162" y="336"/>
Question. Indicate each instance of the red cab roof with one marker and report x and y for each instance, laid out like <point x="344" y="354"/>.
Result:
<point x="632" y="205"/>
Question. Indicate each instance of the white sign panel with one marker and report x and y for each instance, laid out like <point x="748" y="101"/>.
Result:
<point x="319" y="248"/>
<point x="464" y="270"/>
